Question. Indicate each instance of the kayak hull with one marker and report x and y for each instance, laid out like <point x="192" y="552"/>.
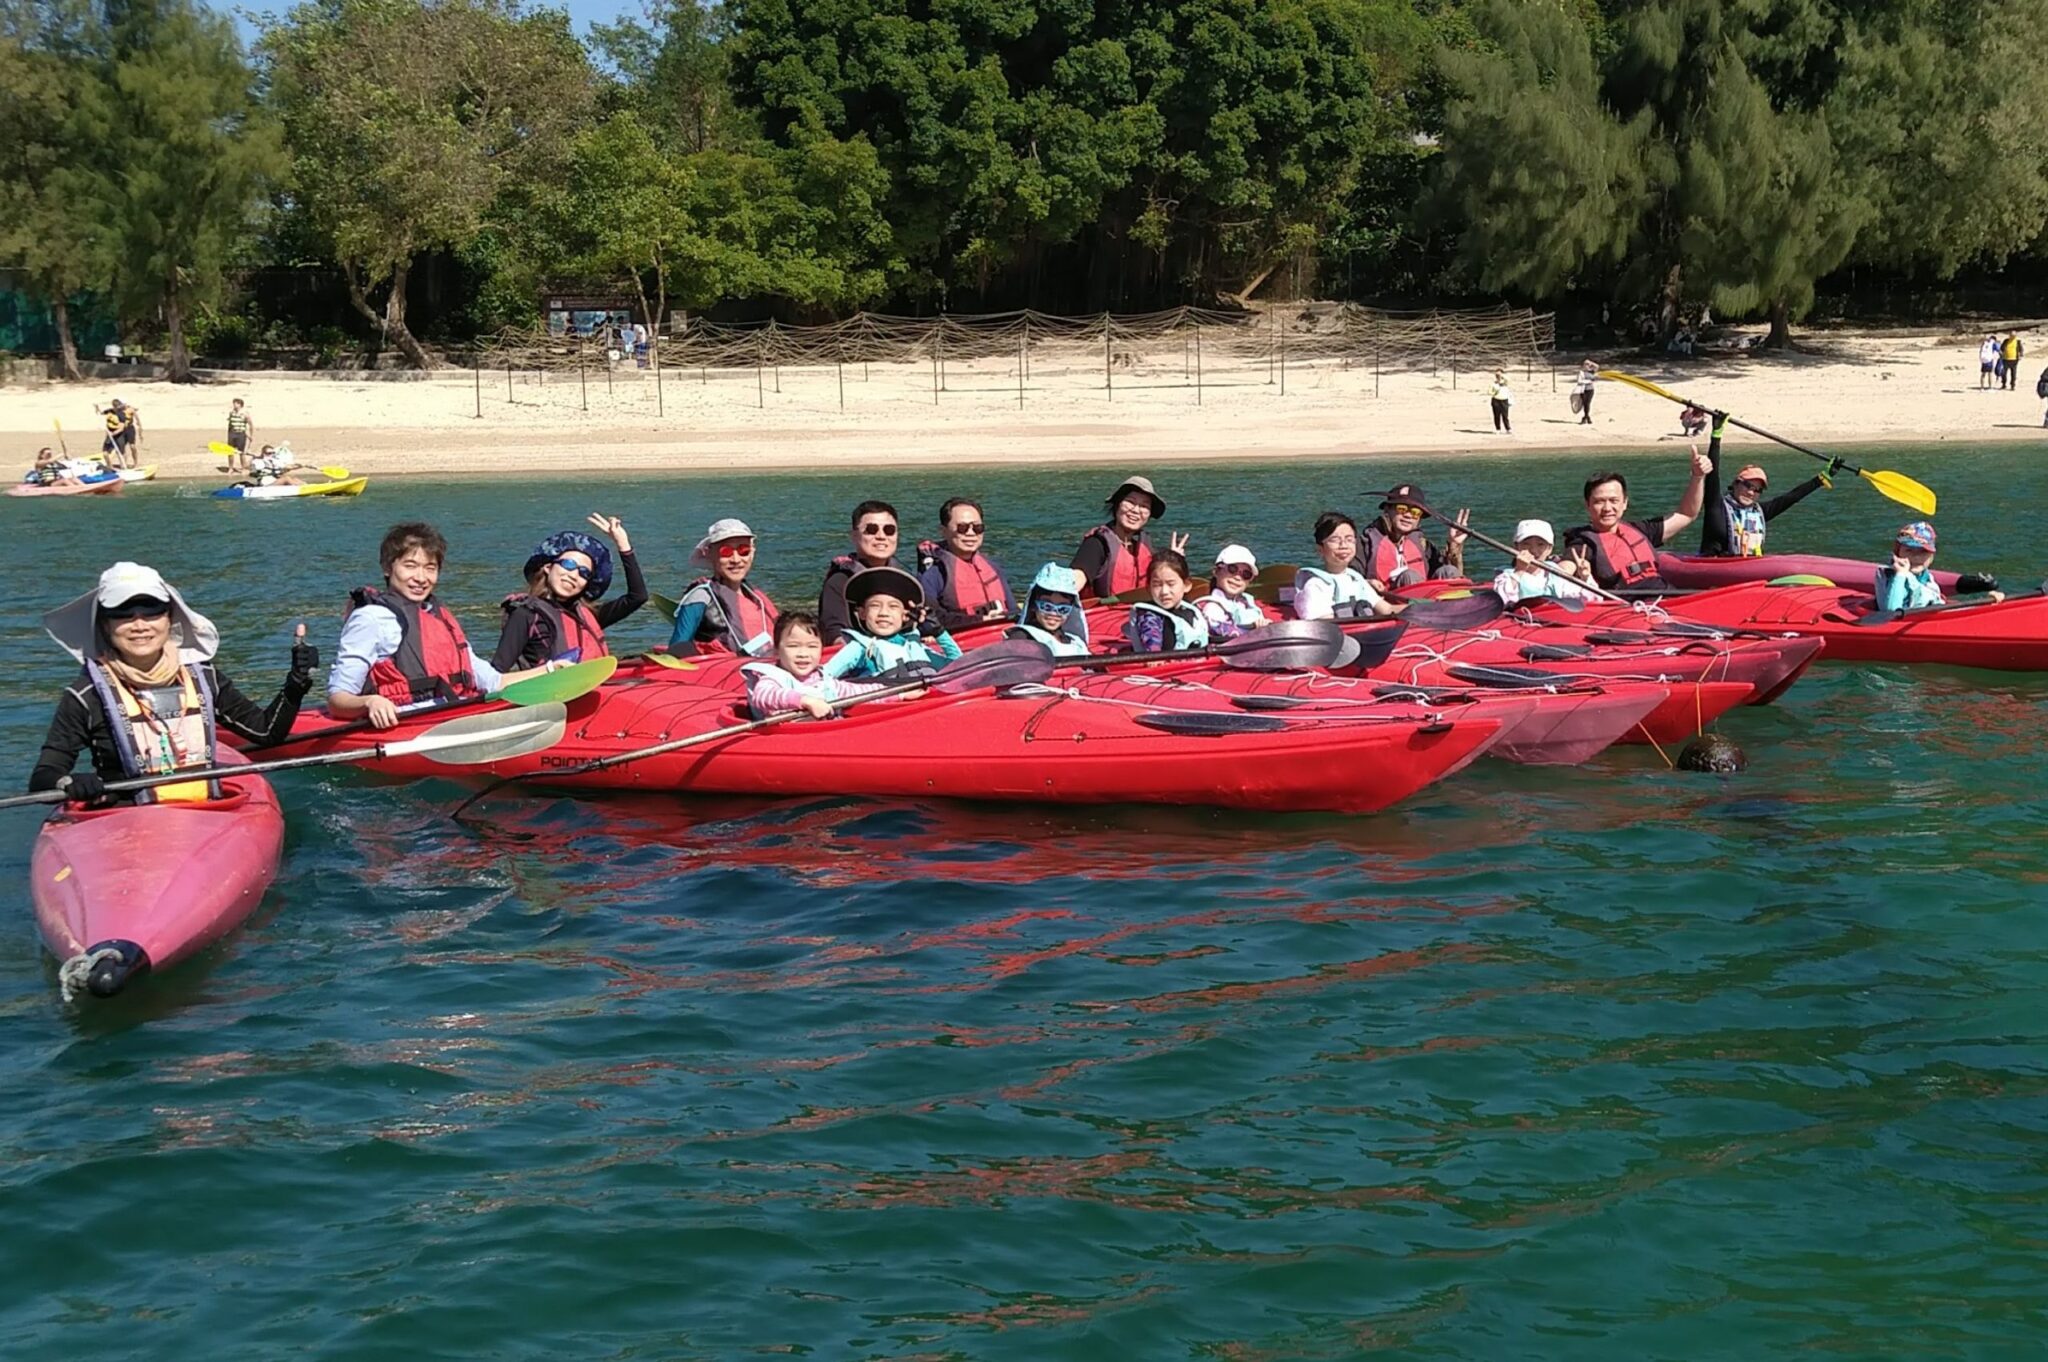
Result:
<point x="153" y="882"/>
<point x="1035" y="746"/>
<point x="345" y="487"/>
<point x="100" y="488"/>
<point x="1696" y="572"/>
<point x="2009" y="635"/>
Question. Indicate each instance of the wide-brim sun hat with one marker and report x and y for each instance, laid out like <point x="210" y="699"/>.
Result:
<point x="1137" y="485"/>
<point x="565" y="541"/>
<point x="721" y="530"/>
<point x="883" y="581"/>
<point x="75" y="624"/>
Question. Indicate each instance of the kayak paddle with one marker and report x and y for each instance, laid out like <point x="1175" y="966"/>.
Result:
<point x="469" y="741"/>
<point x="1012" y="662"/>
<point x="1283" y="646"/>
<point x="1567" y="602"/>
<point x="1900" y="488"/>
<point x="558" y="686"/>
<point x="664" y="606"/>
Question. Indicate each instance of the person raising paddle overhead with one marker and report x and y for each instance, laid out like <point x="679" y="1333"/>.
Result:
<point x="149" y="699"/>
<point x="1732" y="522"/>
<point x="1624" y="552"/>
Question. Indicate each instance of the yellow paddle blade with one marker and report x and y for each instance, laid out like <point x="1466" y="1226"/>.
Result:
<point x="673" y="663"/>
<point x="221" y="447"/>
<point x="337" y="474"/>
<point x="1902" y="489"/>
<point x="1642" y="383"/>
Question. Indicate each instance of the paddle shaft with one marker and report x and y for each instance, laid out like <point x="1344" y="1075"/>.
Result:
<point x="1545" y="564"/>
<point x="566" y="684"/>
<point x="1250" y="644"/>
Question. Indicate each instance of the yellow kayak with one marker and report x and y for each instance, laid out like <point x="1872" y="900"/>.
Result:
<point x="341" y="487"/>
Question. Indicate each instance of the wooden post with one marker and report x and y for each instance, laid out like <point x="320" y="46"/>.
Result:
<point x="477" y="360"/>
<point x="840" y="365"/>
<point x="1022" y="351"/>
<point x="654" y="345"/>
<point x="760" y="392"/>
<point x="1198" y="366"/>
<point x="581" y="381"/>
<point x="935" y="369"/>
<point x="508" y="380"/>
<point x="1375" y="371"/>
<point x="1283" y="361"/>
<point x="1108" y="384"/>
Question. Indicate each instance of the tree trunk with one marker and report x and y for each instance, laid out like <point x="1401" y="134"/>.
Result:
<point x="67" y="348"/>
<point x="1781" y="327"/>
<point x="180" y="367"/>
<point x="391" y="322"/>
<point x="1667" y="307"/>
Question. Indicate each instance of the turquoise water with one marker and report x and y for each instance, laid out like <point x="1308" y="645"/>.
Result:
<point x="1599" y="1063"/>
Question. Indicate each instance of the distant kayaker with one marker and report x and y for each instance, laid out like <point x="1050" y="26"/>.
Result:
<point x="149" y="699"/>
<point x="1228" y="609"/>
<point x="272" y="467"/>
<point x="399" y="645"/>
<point x="964" y="585"/>
<point x="556" y="616"/>
<point x="1393" y="552"/>
<point x="51" y="471"/>
<point x="795" y="680"/>
<point x="1732" y="522"/>
<point x="1052" y="613"/>
<point x="1337" y="589"/>
<point x="1907" y="582"/>
<point x="1524" y="579"/>
<point x="886" y="633"/>
<point x="1167" y="622"/>
<point x="1624" y="552"/>
<point x="1114" y="556"/>
<point x="123" y="445"/>
<point x="724" y="611"/>
<point x="241" y="429"/>
<point x="874" y="530"/>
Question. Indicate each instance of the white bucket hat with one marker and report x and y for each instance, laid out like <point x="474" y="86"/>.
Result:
<point x="720" y="531"/>
<point x="1535" y="529"/>
<point x="75" y="626"/>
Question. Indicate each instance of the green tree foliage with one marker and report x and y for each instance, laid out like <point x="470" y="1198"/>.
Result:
<point x="1200" y="141"/>
<point x="55" y="114"/>
<point x="408" y="120"/>
<point x="185" y="161"/>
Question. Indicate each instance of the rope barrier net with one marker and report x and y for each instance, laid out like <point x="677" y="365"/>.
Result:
<point x="1014" y="355"/>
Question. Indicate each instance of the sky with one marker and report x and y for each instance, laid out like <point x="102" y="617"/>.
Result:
<point x="581" y="12"/>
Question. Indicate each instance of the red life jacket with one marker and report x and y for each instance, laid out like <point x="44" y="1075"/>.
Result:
<point x="433" y="652"/>
<point x="969" y="592"/>
<point x="1124" y="569"/>
<point x="578" y="636"/>
<point x="1624" y="556"/>
<point x="1385" y="559"/>
<point x="743" y="621"/>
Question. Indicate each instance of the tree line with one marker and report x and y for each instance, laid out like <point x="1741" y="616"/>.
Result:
<point x="814" y="158"/>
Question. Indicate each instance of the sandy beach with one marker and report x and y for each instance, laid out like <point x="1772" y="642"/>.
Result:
<point x="1847" y="388"/>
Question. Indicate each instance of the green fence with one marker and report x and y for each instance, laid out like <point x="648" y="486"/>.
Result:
<point x="27" y="328"/>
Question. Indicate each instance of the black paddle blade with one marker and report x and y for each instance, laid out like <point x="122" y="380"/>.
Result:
<point x="1467" y="612"/>
<point x="1200" y="724"/>
<point x="1505" y="678"/>
<point x="1284" y="646"/>
<point x="1009" y="662"/>
<point x="1375" y="643"/>
<point x="1270" y="702"/>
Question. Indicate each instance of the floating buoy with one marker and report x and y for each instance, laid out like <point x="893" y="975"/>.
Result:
<point x="1713" y="753"/>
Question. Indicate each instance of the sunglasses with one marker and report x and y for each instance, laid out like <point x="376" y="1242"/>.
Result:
<point x="570" y="565"/>
<point x="1055" y="607"/>
<point x="1403" y="508"/>
<point x="969" y="527"/>
<point x="141" y="608"/>
<point x="876" y="527"/>
<point x="1751" y="483"/>
<point x="1234" y="570"/>
<point x="735" y="548"/>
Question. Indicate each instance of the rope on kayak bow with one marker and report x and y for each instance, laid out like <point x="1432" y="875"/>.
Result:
<point x="74" y="973"/>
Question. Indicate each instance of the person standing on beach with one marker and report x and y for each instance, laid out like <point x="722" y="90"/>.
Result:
<point x="123" y="445"/>
<point x="1582" y="392"/>
<point x="1987" y="363"/>
<point x="1502" y="397"/>
<point x="240" y="428"/>
<point x="2010" y="352"/>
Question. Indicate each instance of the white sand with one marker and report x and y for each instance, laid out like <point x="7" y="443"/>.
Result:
<point x="1855" y="388"/>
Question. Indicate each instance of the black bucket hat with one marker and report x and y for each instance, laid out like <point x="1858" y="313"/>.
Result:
<point x="884" y="581"/>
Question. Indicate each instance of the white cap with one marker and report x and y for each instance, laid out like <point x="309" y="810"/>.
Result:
<point x="1238" y="553"/>
<point x="124" y="581"/>
<point x="75" y="625"/>
<point x="1535" y="529"/>
<point x="721" y="530"/>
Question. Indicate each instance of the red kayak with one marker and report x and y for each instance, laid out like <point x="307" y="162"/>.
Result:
<point x="2008" y="635"/>
<point x="1036" y="744"/>
<point x="75" y="489"/>
<point x="1560" y="727"/>
<point x="1696" y="572"/>
<point x="138" y="887"/>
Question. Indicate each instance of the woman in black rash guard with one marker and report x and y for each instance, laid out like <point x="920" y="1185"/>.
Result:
<point x="1732" y="520"/>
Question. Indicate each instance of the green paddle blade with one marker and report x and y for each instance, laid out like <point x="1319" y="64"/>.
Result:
<point x="1799" y="579"/>
<point x="565" y="683"/>
<point x="1902" y="489"/>
<point x="481" y="738"/>
<point x="664" y="606"/>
